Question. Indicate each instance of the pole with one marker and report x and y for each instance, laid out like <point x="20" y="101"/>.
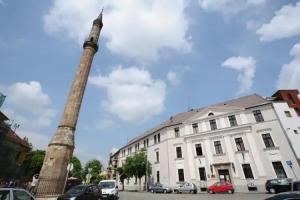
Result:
<point x="294" y="172"/>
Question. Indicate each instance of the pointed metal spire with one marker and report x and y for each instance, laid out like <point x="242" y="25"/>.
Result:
<point x="100" y="15"/>
<point x="99" y="19"/>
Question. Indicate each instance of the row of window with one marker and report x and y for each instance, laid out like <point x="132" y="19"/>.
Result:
<point x="218" y="146"/>
<point x="277" y="166"/>
<point x="213" y="124"/>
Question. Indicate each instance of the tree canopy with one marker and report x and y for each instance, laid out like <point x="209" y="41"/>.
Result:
<point x="77" y="168"/>
<point x="135" y="166"/>
<point x="34" y="162"/>
<point x="96" y="167"/>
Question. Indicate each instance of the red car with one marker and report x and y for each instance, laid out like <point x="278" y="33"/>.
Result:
<point x="221" y="187"/>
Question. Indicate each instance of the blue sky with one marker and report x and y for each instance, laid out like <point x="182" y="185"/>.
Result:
<point x="156" y="58"/>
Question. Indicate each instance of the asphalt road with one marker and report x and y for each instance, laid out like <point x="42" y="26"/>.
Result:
<point x="201" y="196"/>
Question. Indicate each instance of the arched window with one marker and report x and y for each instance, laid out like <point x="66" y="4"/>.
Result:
<point x="210" y="114"/>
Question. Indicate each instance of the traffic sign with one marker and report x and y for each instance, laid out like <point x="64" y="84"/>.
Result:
<point x="289" y="163"/>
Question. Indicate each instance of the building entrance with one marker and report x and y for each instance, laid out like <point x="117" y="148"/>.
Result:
<point x="224" y="175"/>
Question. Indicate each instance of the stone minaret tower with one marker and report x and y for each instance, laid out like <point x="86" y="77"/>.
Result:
<point x="60" y="149"/>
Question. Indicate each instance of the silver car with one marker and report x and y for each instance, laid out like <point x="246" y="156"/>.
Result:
<point x="186" y="187"/>
<point x="15" y="194"/>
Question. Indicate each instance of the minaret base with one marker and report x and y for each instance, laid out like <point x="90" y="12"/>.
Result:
<point x="54" y="172"/>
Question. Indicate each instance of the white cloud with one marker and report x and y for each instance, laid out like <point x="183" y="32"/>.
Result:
<point x="104" y="124"/>
<point x="29" y="106"/>
<point x="133" y="28"/>
<point x="228" y="6"/>
<point x="284" y="24"/>
<point x="132" y="94"/>
<point x="175" y="77"/>
<point x="289" y="76"/>
<point x="246" y="67"/>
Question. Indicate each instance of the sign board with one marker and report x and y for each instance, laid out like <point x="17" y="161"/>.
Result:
<point x="70" y="167"/>
<point x="289" y="163"/>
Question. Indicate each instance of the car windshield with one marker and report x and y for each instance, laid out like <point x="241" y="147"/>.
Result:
<point x="107" y="184"/>
<point x="77" y="189"/>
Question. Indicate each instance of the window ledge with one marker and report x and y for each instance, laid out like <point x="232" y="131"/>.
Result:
<point x="178" y="158"/>
<point x="271" y="148"/>
<point x="203" y="156"/>
<point x="220" y="154"/>
<point x="245" y="151"/>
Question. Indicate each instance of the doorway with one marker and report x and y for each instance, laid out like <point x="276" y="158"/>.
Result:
<point x="224" y="175"/>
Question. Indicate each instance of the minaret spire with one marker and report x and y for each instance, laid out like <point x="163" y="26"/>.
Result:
<point x="60" y="149"/>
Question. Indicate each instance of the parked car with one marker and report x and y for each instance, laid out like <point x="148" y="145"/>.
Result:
<point x="83" y="191"/>
<point x="15" y="193"/>
<point x="278" y="185"/>
<point x="296" y="186"/>
<point x="221" y="187"/>
<point x="159" y="188"/>
<point x="285" y="196"/>
<point x="109" y="189"/>
<point x="186" y="187"/>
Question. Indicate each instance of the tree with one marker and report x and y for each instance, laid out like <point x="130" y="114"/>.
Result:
<point x="137" y="166"/>
<point x="141" y="165"/>
<point x="77" y="169"/>
<point x="34" y="162"/>
<point x="122" y="175"/>
<point x="96" y="167"/>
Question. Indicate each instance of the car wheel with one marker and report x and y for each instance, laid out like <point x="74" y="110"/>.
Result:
<point x="230" y="191"/>
<point x="195" y="191"/>
<point x="165" y="191"/>
<point x="272" y="190"/>
<point x="210" y="191"/>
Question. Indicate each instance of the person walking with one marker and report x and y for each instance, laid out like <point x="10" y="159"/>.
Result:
<point x="34" y="181"/>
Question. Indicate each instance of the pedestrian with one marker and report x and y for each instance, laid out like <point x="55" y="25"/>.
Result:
<point x="34" y="181"/>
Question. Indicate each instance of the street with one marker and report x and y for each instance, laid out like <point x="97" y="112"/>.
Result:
<point x="202" y="196"/>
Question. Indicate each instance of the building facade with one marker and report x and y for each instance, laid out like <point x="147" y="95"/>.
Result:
<point x="242" y="141"/>
<point x="287" y="107"/>
<point x="13" y="151"/>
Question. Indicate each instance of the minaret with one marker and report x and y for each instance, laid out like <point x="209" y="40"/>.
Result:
<point x="60" y="149"/>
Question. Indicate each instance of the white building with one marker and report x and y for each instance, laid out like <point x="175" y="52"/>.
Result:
<point x="287" y="107"/>
<point x="241" y="141"/>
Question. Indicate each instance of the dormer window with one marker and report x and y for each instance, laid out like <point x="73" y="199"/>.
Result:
<point x="210" y="114"/>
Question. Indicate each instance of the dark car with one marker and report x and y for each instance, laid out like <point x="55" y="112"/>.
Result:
<point x="296" y="186"/>
<point x="82" y="192"/>
<point x="159" y="188"/>
<point x="285" y="196"/>
<point x="278" y="185"/>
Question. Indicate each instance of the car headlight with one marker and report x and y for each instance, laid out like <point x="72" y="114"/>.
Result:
<point x="112" y="191"/>
<point x="72" y="198"/>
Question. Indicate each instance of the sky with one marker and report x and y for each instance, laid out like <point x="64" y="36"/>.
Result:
<point x="156" y="58"/>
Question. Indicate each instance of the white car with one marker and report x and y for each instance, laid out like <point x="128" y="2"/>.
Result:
<point x="109" y="189"/>
<point x="15" y="193"/>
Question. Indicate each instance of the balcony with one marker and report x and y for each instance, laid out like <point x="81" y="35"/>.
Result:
<point x="220" y="159"/>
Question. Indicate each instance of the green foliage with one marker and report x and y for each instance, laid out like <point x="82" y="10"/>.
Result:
<point x="96" y="167"/>
<point x="135" y="166"/>
<point x="101" y="177"/>
<point x="34" y="162"/>
<point x="77" y="168"/>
